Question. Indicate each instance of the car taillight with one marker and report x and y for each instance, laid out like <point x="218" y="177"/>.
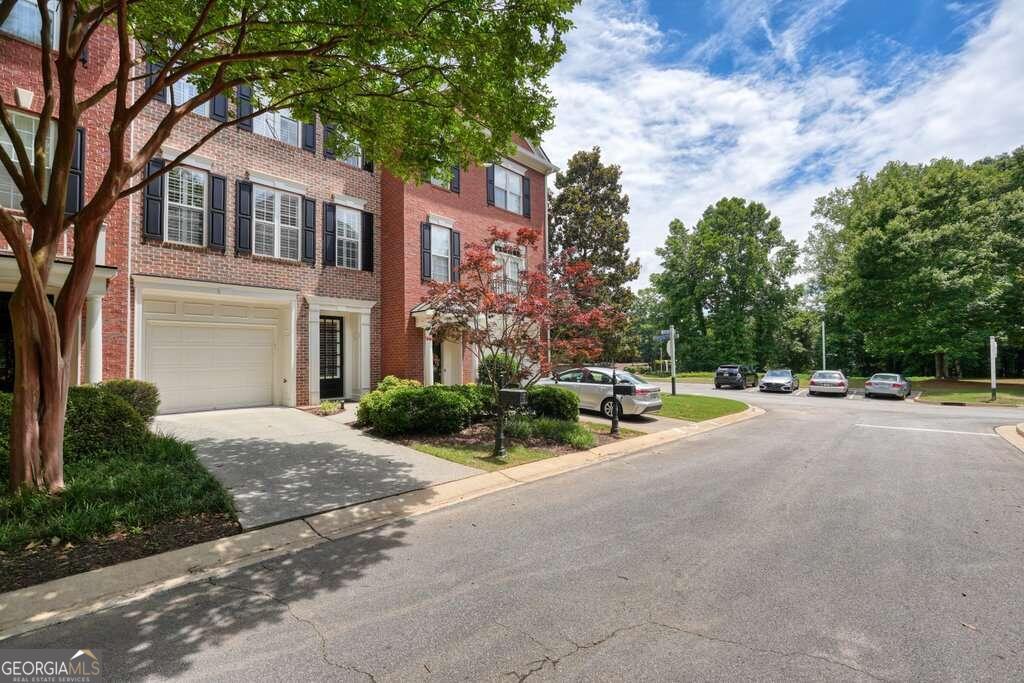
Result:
<point x="814" y="383"/>
<point x="645" y="392"/>
<point x="868" y="384"/>
<point x="897" y="386"/>
<point x="842" y="384"/>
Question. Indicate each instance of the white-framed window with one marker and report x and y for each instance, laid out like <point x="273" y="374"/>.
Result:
<point x="440" y="182"/>
<point x="26" y="125"/>
<point x="440" y="253"/>
<point x="276" y="229"/>
<point x="182" y="91"/>
<point x="348" y="226"/>
<point x="185" y="214"/>
<point x="355" y="158"/>
<point x="24" y="22"/>
<point x="512" y="259"/>
<point x="508" y="189"/>
<point x="278" y="125"/>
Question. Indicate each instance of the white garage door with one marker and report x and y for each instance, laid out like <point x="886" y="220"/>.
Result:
<point x="205" y="367"/>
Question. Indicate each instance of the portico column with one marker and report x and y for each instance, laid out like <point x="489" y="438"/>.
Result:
<point x="314" y="355"/>
<point x="428" y="359"/>
<point x="364" y="353"/>
<point x="94" y="330"/>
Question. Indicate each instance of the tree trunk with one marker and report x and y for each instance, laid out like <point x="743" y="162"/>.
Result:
<point x="940" y="365"/>
<point x="40" y="402"/>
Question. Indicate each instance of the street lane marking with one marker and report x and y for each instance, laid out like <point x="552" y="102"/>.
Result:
<point x="923" y="429"/>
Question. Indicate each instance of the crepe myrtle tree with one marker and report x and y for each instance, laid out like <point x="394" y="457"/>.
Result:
<point x="420" y="85"/>
<point x="513" y="320"/>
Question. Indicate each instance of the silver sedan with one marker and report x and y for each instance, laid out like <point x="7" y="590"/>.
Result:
<point x="594" y="387"/>
<point x="828" y="382"/>
<point x="887" y="384"/>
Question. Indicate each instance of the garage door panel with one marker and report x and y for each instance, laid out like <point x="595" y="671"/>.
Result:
<point x="208" y="366"/>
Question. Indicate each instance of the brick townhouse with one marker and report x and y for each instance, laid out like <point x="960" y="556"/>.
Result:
<point x="103" y="348"/>
<point x="423" y="229"/>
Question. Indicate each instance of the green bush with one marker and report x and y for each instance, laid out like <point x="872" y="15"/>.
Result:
<point x="519" y="427"/>
<point x="555" y="402"/>
<point x="564" y="431"/>
<point x="499" y="366"/>
<point x="391" y="382"/>
<point x="478" y="397"/>
<point x="418" y="410"/>
<point x="143" y="396"/>
<point x="98" y="425"/>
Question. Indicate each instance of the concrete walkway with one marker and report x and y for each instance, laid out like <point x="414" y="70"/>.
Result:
<point x="281" y="463"/>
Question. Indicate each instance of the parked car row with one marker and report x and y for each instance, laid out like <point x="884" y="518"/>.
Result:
<point x="821" y="382"/>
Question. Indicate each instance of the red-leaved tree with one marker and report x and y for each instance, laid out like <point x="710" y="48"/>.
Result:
<point x="510" y="321"/>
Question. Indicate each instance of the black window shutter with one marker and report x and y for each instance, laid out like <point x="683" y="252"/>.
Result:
<point x="526" y="196"/>
<point x="83" y="56"/>
<point x="425" y="251"/>
<point x="330" y="241"/>
<point x="218" y="212"/>
<point x="367" y="242"/>
<point x="153" y="203"/>
<point x="219" y="107"/>
<point x="456" y="255"/>
<point x="490" y="185"/>
<point x="309" y="137"/>
<point x="368" y="165"/>
<point x="243" y="217"/>
<point x="454" y="187"/>
<point x="309" y="230"/>
<point x="328" y="153"/>
<point x="152" y="69"/>
<point x="76" y="175"/>
<point x="244" y="94"/>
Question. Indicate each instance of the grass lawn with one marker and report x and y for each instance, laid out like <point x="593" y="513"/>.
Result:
<point x="478" y="455"/>
<point x="698" y="408"/>
<point x="1008" y="392"/>
<point x="122" y="493"/>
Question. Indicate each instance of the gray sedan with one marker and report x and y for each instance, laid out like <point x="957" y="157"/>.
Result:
<point x="828" y="382"/>
<point x="887" y="384"/>
<point x="594" y="387"/>
<point x="779" y="380"/>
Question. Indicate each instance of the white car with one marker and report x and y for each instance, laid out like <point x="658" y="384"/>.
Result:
<point x="594" y="387"/>
<point x="828" y="382"/>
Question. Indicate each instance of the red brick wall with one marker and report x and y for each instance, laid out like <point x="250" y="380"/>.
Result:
<point x="19" y="68"/>
<point x="404" y="288"/>
<point x="233" y="153"/>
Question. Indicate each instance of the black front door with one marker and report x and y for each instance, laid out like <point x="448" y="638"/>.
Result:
<point x="6" y="344"/>
<point x="332" y="384"/>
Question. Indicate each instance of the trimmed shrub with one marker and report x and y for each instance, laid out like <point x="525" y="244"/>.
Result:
<point x="499" y="365"/>
<point x="519" y="427"/>
<point x="555" y="402"/>
<point x="479" y="397"/>
<point x="418" y="410"/>
<point x="391" y="382"/>
<point x="143" y="396"/>
<point x="99" y="423"/>
<point x="564" y="431"/>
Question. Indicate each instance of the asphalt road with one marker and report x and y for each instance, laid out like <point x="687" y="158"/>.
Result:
<point x="830" y="539"/>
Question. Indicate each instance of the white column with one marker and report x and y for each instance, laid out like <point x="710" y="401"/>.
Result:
<point x="364" y="353"/>
<point x="428" y="359"/>
<point x="474" y="366"/>
<point x="314" y="354"/>
<point x="94" y="328"/>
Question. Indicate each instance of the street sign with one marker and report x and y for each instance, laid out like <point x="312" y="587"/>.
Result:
<point x="661" y="337"/>
<point x="666" y="332"/>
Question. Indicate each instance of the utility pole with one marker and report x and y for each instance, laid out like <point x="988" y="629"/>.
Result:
<point x="672" y="354"/>
<point x="823" y="345"/>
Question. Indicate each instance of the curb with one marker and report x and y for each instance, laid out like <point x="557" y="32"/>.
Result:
<point x="1013" y="434"/>
<point x="1020" y="428"/>
<point x="29" y="609"/>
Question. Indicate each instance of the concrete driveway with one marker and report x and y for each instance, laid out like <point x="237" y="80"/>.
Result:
<point x="282" y="463"/>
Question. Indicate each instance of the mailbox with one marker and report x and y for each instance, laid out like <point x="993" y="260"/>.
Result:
<point x="625" y="390"/>
<point x="512" y="398"/>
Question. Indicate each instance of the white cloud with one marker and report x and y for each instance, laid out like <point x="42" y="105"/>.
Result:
<point x="685" y="137"/>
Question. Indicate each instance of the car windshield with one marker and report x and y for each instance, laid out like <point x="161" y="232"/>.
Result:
<point x="886" y="378"/>
<point x="784" y="374"/>
<point x="728" y="367"/>
<point x="626" y="378"/>
<point x="828" y="375"/>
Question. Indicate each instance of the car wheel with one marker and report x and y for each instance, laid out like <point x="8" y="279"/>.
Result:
<point x="812" y="393"/>
<point x="867" y="394"/>
<point x="718" y="386"/>
<point x="608" y="406"/>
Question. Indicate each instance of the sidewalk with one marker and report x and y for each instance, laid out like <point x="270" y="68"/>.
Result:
<point x="38" y="606"/>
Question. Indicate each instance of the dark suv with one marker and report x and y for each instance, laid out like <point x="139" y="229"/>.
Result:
<point x="735" y="376"/>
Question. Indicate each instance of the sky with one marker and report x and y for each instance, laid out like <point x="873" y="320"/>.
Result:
<point x="779" y="101"/>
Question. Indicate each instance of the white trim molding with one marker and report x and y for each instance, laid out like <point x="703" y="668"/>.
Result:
<point x="349" y="201"/>
<point x="275" y="182"/>
<point x="194" y="160"/>
<point x="358" y="340"/>
<point x="440" y="221"/>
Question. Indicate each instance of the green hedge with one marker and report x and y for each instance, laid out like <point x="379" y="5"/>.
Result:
<point x="555" y="402"/>
<point x="500" y="366"/>
<point x="550" y="429"/>
<point x="405" y="409"/>
<point x="143" y="396"/>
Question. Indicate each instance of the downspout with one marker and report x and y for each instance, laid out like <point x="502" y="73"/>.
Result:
<point x="129" y="369"/>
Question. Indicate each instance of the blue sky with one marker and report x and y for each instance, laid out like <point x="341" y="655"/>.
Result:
<point x="781" y="100"/>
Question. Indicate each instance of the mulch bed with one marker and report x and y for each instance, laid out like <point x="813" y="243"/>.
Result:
<point x="482" y="435"/>
<point x="20" y="568"/>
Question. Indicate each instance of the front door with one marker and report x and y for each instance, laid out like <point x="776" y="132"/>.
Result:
<point x="6" y="344"/>
<point x="332" y="383"/>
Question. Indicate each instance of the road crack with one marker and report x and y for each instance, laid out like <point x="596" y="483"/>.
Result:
<point x="538" y="665"/>
<point x="302" y="620"/>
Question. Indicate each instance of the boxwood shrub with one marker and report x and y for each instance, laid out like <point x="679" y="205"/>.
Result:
<point x="556" y="402"/>
<point x="419" y="410"/>
<point x="143" y="396"/>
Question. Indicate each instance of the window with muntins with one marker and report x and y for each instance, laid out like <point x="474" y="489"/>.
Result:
<point x="440" y="253"/>
<point x="26" y="126"/>
<point x="186" y="206"/>
<point x="348" y="226"/>
<point x="183" y="91"/>
<point x="278" y="125"/>
<point x="512" y="260"/>
<point x="276" y="229"/>
<point x="355" y="158"/>
<point x="508" y="189"/>
<point x="25" y="23"/>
